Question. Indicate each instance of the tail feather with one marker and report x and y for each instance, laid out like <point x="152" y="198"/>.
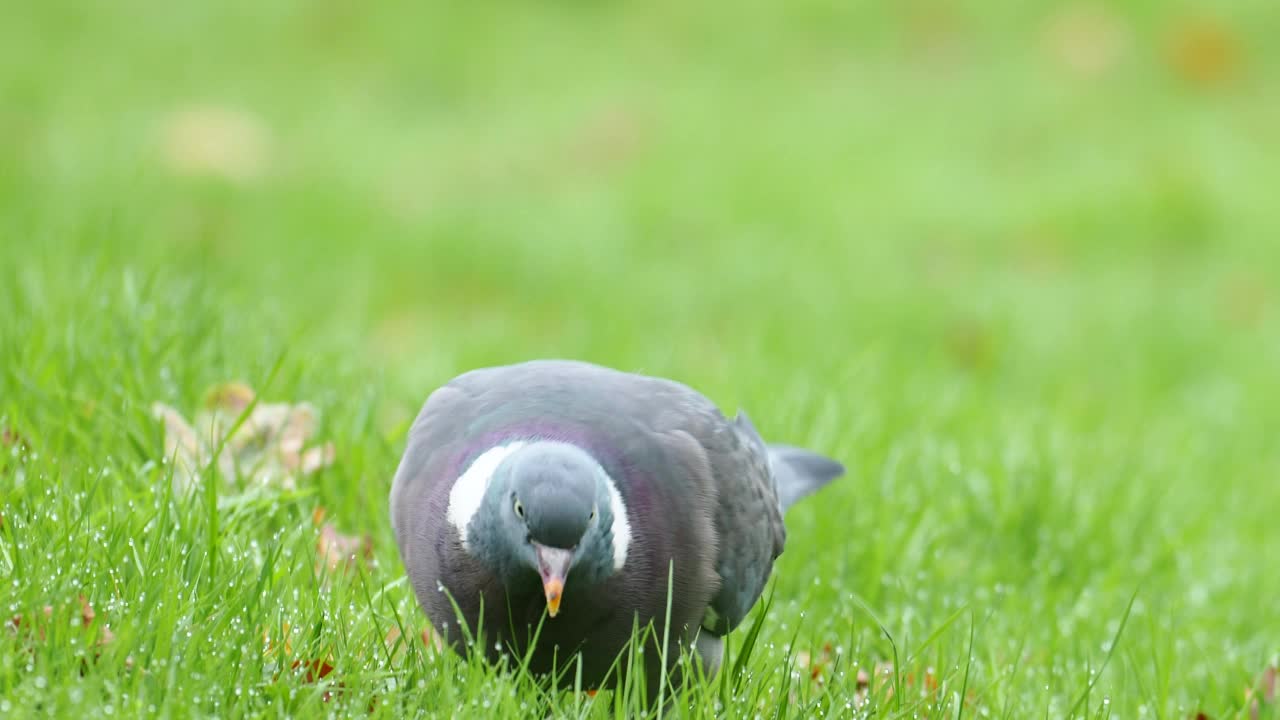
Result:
<point x="799" y="472"/>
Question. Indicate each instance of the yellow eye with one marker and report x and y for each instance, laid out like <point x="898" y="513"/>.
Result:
<point x="519" y="509"/>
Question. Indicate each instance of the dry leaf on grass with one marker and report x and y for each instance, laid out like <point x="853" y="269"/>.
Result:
<point x="340" y="554"/>
<point x="396" y="648"/>
<point x="313" y="671"/>
<point x="816" y="666"/>
<point x="1086" y="39"/>
<point x="971" y="344"/>
<point x="18" y="623"/>
<point x="269" y="448"/>
<point x="36" y="631"/>
<point x="863" y="688"/>
<point x="1203" y="52"/>
<point x="215" y="141"/>
<point x="1263" y="692"/>
<point x="308" y="671"/>
<point x="87" y="615"/>
<point x="10" y="437"/>
<point x="271" y="648"/>
<point x="87" y="618"/>
<point x="930" y="684"/>
<point x="12" y="446"/>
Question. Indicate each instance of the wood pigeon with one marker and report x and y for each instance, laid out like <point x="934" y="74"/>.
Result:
<point x="558" y="497"/>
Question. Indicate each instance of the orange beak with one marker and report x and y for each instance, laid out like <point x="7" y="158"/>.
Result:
<point x="553" y="566"/>
<point x="554" y="588"/>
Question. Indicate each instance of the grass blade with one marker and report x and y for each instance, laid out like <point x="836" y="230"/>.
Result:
<point x="1115" y="640"/>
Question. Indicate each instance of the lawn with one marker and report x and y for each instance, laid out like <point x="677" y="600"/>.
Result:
<point x="1017" y="265"/>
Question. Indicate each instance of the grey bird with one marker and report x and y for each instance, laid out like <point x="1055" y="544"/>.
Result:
<point x="558" y="497"/>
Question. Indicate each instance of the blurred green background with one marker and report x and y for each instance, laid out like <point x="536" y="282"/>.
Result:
<point x="452" y="183"/>
<point x="1017" y="263"/>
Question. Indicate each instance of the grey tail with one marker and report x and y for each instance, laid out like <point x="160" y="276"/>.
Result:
<point x="799" y="472"/>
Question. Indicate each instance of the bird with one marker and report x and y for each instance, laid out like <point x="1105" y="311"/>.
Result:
<point x="544" y="510"/>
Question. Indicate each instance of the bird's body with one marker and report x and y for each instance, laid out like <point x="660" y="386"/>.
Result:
<point x="602" y="483"/>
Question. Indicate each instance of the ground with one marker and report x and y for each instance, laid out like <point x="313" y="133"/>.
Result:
<point x="1017" y="266"/>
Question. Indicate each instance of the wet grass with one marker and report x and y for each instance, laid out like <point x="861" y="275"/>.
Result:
<point x="1032" y="306"/>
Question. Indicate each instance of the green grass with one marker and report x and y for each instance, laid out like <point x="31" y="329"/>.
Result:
<point x="1035" y="310"/>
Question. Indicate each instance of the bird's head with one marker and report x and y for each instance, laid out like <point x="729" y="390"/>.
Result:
<point x="547" y="512"/>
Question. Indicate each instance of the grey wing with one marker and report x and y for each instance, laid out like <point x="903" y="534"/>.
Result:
<point x="446" y="422"/>
<point x="417" y="496"/>
<point x="748" y="521"/>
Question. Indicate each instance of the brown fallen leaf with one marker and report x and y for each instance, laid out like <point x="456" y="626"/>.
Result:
<point x="929" y="683"/>
<point x="339" y="553"/>
<point x="1086" y="39"/>
<point x="391" y="640"/>
<point x="816" y="667"/>
<point x="10" y="437"/>
<point x="882" y="678"/>
<point x="267" y="449"/>
<point x="18" y="622"/>
<point x="271" y="648"/>
<point x="433" y="639"/>
<point x="12" y="445"/>
<point x="36" y="630"/>
<point x="971" y="344"/>
<point x="315" y="459"/>
<point x="180" y="445"/>
<point x="282" y="647"/>
<point x="1203" y="52"/>
<point x="215" y="141"/>
<point x="428" y="637"/>
<point x="234" y="397"/>
<point x="87" y="618"/>
<point x="315" y="669"/>
<point x="396" y="648"/>
<point x="863" y="688"/>
<point x="1263" y="691"/>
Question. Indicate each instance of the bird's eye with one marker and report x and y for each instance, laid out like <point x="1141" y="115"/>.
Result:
<point x="593" y="515"/>
<point x="519" y="509"/>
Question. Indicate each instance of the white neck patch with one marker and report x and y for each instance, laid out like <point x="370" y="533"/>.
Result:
<point x="468" y="492"/>
<point x="468" y="489"/>
<point x="621" y="526"/>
